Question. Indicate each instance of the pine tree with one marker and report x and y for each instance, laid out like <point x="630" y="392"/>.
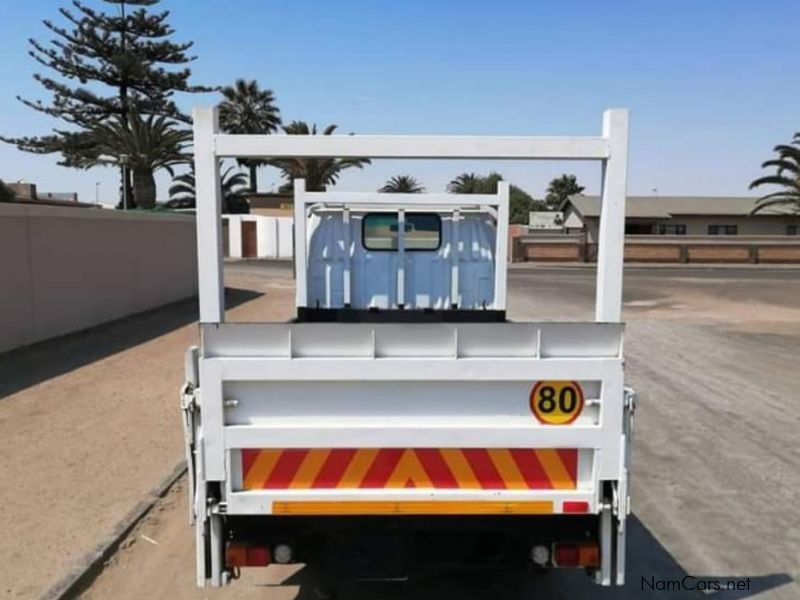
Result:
<point x="106" y="64"/>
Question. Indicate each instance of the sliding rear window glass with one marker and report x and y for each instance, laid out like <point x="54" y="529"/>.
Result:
<point x="423" y="231"/>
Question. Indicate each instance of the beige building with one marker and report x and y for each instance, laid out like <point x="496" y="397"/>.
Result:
<point x="682" y="215"/>
<point x="271" y="205"/>
<point x="27" y="193"/>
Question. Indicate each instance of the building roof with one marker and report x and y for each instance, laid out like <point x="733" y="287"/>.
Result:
<point x="664" y="207"/>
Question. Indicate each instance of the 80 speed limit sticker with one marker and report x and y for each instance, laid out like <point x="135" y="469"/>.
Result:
<point x="557" y="402"/>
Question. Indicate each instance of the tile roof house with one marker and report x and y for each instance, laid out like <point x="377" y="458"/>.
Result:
<point x="683" y="215"/>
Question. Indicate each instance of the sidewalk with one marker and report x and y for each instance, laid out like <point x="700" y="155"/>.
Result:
<point x="89" y="425"/>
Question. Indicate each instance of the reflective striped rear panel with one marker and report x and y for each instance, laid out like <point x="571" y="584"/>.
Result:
<point x="396" y="468"/>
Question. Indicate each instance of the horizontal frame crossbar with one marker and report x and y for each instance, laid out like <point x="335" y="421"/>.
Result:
<point x="397" y="200"/>
<point x="411" y="146"/>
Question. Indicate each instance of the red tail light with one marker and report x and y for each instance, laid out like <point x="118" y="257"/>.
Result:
<point x="258" y="556"/>
<point x="576" y="555"/>
<point x="565" y="555"/>
<point x="246" y="555"/>
<point x="576" y="507"/>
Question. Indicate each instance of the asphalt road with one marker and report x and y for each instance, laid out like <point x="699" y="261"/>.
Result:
<point x="759" y="301"/>
<point x="713" y="354"/>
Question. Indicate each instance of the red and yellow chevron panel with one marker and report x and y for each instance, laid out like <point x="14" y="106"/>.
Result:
<point x="398" y="468"/>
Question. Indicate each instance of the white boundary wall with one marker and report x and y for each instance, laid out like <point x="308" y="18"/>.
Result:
<point x="273" y="235"/>
<point x="66" y="269"/>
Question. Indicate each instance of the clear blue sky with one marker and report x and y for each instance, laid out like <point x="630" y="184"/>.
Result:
<point x="712" y="85"/>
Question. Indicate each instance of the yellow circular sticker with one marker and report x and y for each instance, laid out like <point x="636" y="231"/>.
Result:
<point x="557" y="402"/>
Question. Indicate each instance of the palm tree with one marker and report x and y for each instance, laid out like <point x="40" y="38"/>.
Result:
<point x="466" y="183"/>
<point x="521" y="203"/>
<point x="787" y="175"/>
<point x="402" y="184"/>
<point x="470" y="183"/>
<point x="562" y="188"/>
<point x="145" y="146"/>
<point x="319" y="173"/>
<point x="183" y="195"/>
<point x="247" y="109"/>
<point x="6" y="193"/>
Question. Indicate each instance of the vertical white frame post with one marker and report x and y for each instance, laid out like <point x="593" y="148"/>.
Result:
<point x="455" y="255"/>
<point x="346" y="300"/>
<point x="300" y="243"/>
<point x="211" y="289"/>
<point x="611" y="242"/>
<point x="401" y="258"/>
<point x="501" y="255"/>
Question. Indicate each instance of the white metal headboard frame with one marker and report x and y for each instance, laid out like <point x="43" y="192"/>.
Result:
<point x="611" y="148"/>
<point x="454" y="203"/>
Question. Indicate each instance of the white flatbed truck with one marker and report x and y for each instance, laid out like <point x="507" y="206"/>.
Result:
<point x="401" y="419"/>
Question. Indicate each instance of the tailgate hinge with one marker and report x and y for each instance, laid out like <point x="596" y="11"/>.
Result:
<point x="188" y="403"/>
<point x="219" y="508"/>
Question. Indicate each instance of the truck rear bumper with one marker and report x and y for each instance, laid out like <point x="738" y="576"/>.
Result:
<point x="397" y="546"/>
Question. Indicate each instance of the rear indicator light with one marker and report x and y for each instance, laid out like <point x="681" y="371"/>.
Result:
<point x="589" y="555"/>
<point x="236" y="555"/>
<point x="246" y="555"/>
<point x="576" y="555"/>
<point x="565" y="555"/>
<point x="576" y="507"/>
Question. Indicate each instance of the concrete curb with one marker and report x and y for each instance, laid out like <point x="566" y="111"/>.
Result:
<point x="93" y="563"/>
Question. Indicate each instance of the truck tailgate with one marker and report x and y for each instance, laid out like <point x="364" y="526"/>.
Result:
<point x="408" y="419"/>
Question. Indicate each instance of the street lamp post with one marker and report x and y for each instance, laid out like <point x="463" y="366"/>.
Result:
<point x="125" y="176"/>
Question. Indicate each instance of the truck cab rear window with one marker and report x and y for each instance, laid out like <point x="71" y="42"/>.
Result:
<point x="423" y="231"/>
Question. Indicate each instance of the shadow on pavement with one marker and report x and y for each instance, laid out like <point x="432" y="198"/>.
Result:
<point x="648" y="560"/>
<point x="33" y="364"/>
